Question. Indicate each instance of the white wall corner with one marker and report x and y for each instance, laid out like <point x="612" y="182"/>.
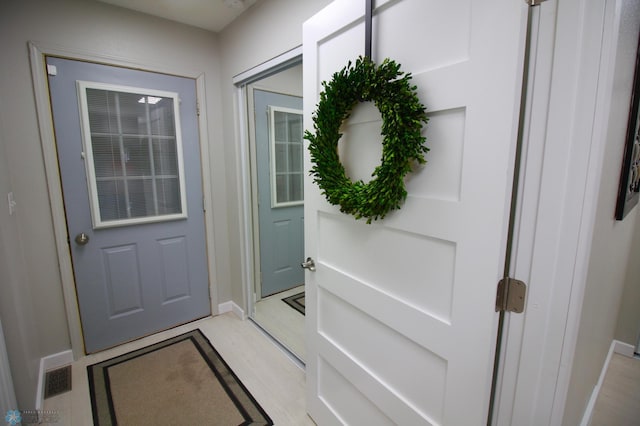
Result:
<point x="231" y="306"/>
<point x="50" y="362"/>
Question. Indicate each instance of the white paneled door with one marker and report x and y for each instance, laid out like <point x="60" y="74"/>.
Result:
<point x="129" y="156"/>
<point x="401" y="326"/>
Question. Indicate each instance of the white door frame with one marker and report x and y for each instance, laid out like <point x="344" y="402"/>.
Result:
<point x="37" y="52"/>
<point x="569" y="86"/>
<point x="250" y="260"/>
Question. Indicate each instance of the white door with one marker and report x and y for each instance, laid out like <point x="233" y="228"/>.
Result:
<point x="129" y="157"/>
<point x="401" y="327"/>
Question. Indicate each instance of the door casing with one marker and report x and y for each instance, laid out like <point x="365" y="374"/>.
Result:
<point x="37" y="52"/>
<point x="570" y="84"/>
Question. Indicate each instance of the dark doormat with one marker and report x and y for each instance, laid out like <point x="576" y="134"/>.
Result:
<point x="182" y="380"/>
<point x="296" y="301"/>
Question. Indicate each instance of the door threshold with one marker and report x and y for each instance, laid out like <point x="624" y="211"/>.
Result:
<point x="292" y="356"/>
<point x="164" y="330"/>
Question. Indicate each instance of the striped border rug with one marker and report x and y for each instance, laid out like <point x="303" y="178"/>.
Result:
<point x="297" y="302"/>
<point x="182" y="380"/>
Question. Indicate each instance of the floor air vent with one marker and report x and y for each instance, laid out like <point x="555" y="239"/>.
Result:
<point x="57" y="381"/>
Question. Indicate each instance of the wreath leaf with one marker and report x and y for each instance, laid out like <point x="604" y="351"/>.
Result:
<point x="403" y="117"/>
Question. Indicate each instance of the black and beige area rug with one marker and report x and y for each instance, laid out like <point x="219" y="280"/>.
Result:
<point x="296" y="301"/>
<point x="180" y="381"/>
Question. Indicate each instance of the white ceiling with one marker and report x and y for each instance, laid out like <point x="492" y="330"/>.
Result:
<point x="212" y="15"/>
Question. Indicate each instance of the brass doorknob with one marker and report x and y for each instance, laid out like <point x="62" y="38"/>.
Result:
<point x="82" y="239"/>
<point x="309" y="264"/>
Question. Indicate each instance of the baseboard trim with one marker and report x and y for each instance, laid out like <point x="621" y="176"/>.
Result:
<point x="624" y="348"/>
<point x="231" y="306"/>
<point x="617" y="347"/>
<point x="47" y="363"/>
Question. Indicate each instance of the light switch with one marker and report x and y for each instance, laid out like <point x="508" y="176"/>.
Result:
<point x="12" y="203"/>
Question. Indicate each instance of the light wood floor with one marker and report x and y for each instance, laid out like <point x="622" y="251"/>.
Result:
<point x="282" y="321"/>
<point x="274" y="380"/>
<point x="278" y="384"/>
<point x="618" y="402"/>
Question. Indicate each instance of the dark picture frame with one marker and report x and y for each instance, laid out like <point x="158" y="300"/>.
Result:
<point x="629" y="186"/>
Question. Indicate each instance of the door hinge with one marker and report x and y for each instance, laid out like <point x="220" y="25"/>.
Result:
<point x="511" y="295"/>
<point x="534" y="2"/>
<point x="198" y="108"/>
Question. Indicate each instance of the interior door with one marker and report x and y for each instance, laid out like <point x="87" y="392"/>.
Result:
<point x="401" y="327"/>
<point x="279" y="147"/>
<point x="128" y="151"/>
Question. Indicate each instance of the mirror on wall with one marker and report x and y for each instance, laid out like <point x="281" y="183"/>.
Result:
<point x="275" y="128"/>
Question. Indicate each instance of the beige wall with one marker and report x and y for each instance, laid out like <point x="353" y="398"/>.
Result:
<point x="288" y="81"/>
<point x="612" y="240"/>
<point x="18" y="309"/>
<point x="267" y="30"/>
<point x="628" y="328"/>
<point x="31" y="301"/>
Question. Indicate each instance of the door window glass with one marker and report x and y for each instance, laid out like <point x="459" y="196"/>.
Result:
<point x="285" y="131"/>
<point x="133" y="153"/>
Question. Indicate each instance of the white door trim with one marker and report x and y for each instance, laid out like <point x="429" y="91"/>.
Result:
<point x="562" y="169"/>
<point x="248" y="220"/>
<point x="37" y="53"/>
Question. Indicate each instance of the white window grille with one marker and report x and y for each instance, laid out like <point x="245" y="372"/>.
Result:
<point x="133" y="154"/>
<point x="286" y="153"/>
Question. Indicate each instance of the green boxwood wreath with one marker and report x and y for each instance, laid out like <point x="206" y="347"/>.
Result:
<point x="403" y="116"/>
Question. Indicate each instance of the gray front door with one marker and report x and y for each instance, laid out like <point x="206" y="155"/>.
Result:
<point x="128" y="150"/>
<point x="279" y="148"/>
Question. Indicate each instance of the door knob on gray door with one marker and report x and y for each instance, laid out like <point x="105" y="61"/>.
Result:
<point x="82" y="239"/>
<point x="309" y="264"/>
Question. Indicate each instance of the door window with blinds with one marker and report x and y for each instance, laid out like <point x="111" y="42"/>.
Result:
<point x="133" y="154"/>
<point x="287" y="180"/>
